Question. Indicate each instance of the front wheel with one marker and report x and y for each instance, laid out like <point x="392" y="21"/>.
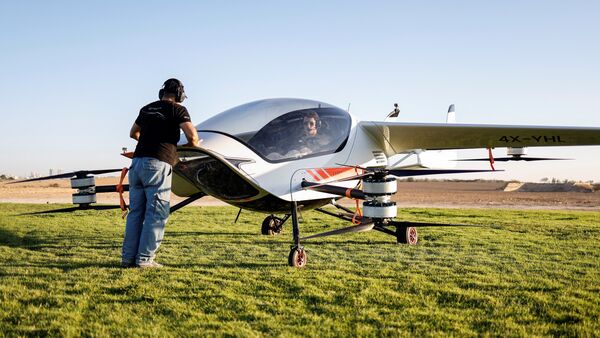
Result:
<point x="297" y="257"/>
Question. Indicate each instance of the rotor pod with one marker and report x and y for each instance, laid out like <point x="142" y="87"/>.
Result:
<point x="516" y="152"/>
<point x="379" y="210"/>
<point x="86" y="190"/>
<point x="378" y="192"/>
<point x="83" y="182"/>
<point x="375" y="187"/>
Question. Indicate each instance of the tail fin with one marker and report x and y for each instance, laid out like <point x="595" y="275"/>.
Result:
<point x="428" y="158"/>
<point x="451" y="117"/>
<point x="440" y="158"/>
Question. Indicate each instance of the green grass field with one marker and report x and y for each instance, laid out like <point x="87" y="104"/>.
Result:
<point x="523" y="273"/>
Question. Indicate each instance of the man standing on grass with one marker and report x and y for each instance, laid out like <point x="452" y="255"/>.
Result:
<point x="157" y="131"/>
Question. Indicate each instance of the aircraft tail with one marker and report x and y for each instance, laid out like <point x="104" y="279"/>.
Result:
<point x="451" y="117"/>
<point x="449" y="156"/>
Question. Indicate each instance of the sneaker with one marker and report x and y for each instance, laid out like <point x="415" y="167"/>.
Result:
<point x="127" y="265"/>
<point x="149" y="265"/>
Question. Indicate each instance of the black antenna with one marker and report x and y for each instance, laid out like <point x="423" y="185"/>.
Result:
<point x="395" y="112"/>
<point x="348" y="110"/>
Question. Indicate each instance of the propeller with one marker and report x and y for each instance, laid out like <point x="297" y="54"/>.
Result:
<point x="80" y="173"/>
<point x="410" y="172"/>
<point x="400" y="173"/>
<point x="514" y="158"/>
<point x="72" y="209"/>
<point x="421" y="172"/>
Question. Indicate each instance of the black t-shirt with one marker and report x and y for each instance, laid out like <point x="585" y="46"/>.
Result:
<point x="159" y="122"/>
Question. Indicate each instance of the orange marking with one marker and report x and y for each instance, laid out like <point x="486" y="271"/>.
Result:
<point x="348" y="192"/>
<point x="313" y="175"/>
<point x="119" y="189"/>
<point x="336" y="171"/>
<point x="128" y="154"/>
<point x="322" y="173"/>
<point x="491" y="158"/>
<point x="357" y="213"/>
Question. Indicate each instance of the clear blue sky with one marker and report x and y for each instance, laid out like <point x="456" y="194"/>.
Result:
<point x="74" y="74"/>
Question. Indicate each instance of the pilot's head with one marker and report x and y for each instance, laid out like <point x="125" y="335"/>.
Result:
<point x="311" y="123"/>
<point x="172" y="90"/>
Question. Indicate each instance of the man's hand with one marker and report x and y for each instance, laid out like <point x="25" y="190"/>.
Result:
<point x="191" y="134"/>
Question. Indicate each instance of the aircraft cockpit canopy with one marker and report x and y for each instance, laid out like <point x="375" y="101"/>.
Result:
<point x="285" y="129"/>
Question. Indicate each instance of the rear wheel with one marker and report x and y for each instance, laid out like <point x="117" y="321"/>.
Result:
<point x="407" y="235"/>
<point x="271" y="225"/>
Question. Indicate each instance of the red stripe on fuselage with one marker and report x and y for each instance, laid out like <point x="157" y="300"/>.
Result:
<point x="322" y="173"/>
<point x="336" y="171"/>
<point x="310" y="172"/>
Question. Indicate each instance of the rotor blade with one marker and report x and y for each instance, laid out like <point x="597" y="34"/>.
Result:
<point x="351" y="178"/>
<point x="80" y="173"/>
<point x="511" y="158"/>
<point x="71" y="209"/>
<point x="110" y="188"/>
<point x="333" y="189"/>
<point x="355" y="228"/>
<point x="421" y="172"/>
<point x="346" y="179"/>
<point x="353" y="166"/>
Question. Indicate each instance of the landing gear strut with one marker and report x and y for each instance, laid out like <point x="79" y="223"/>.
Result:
<point x="273" y="225"/>
<point x="298" y="256"/>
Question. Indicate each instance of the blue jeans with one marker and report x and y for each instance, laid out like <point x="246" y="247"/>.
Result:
<point x="149" y="196"/>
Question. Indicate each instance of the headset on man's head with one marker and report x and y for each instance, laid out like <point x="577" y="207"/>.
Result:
<point x="313" y="114"/>
<point x="175" y="87"/>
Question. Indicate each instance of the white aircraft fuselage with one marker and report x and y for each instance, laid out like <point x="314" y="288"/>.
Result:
<point x="255" y="156"/>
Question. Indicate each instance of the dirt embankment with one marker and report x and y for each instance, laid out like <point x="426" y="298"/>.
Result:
<point x="444" y="194"/>
<point x="482" y="194"/>
<point x="549" y="187"/>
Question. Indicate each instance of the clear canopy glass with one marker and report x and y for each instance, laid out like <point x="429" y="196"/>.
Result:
<point x="285" y="129"/>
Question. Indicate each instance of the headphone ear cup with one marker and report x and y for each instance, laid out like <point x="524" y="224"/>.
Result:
<point x="319" y="124"/>
<point x="183" y="96"/>
<point x="179" y="93"/>
<point x="161" y="93"/>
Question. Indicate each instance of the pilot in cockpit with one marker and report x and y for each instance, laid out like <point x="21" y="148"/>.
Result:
<point x="293" y="135"/>
<point x="312" y="141"/>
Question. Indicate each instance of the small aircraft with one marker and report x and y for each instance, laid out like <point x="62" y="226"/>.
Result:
<point x="282" y="156"/>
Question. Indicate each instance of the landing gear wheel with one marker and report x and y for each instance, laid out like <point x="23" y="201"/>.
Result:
<point x="407" y="235"/>
<point x="271" y="226"/>
<point x="297" y="257"/>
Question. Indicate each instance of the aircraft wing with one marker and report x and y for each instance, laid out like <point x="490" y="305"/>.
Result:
<point x="399" y="137"/>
